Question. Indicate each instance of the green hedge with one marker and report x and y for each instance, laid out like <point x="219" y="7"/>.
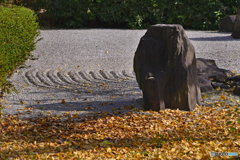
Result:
<point x="18" y="30"/>
<point x="136" y="14"/>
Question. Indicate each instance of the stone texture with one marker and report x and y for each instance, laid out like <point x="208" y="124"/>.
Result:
<point x="236" y="28"/>
<point x="227" y="23"/>
<point x="208" y="72"/>
<point x="205" y="84"/>
<point x="237" y="91"/>
<point x="221" y="85"/>
<point x="211" y="77"/>
<point x="234" y="81"/>
<point x="165" y="68"/>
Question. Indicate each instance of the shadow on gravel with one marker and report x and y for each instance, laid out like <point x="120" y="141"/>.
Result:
<point x="82" y="101"/>
<point x="223" y="38"/>
<point x="55" y="29"/>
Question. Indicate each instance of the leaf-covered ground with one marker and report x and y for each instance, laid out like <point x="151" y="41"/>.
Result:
<point x="168" y="134"/>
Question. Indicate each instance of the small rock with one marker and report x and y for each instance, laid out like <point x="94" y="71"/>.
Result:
<point x="227" y="23"/>
<point x="236" y="91"/>
<point x="236" y="28"/>
<point x="221" y="85"/>
<point x="235" y="83"/>
<point x="208" y="72"/>
<point x="205" y="84"/>
<point x="233" y="78"/>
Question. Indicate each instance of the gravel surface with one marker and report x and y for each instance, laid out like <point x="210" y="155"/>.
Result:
<point x="91" y="70"/>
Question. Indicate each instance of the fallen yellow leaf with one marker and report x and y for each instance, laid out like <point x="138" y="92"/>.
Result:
<point x="205" y="96"/>
<point x="222" y="97"/>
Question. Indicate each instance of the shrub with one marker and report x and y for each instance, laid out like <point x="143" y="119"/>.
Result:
<point x="17" y="39"/>
<point x="67" y="14"/>
<point x="137" y="14"/>
<point x="83" y="13"/>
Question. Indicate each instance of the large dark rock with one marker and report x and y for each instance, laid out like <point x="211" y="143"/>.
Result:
<point x="165" y="67"/>
<point x="236" y="28"/>
<point x="227" y="23"/>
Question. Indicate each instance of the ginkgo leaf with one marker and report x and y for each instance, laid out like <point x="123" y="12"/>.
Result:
<point x="106" y="51"/>
<point x="59" y="69"/>
<point x="232" y="89"/>
<point x="222" y="97"/>
<point x="77" y="66"/>
<point x="205" y="96"/>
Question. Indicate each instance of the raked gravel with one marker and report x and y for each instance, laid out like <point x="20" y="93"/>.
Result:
<point x="91" y="70"/>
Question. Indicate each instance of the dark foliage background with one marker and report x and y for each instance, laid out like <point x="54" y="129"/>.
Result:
<point x="131" y="14"/>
